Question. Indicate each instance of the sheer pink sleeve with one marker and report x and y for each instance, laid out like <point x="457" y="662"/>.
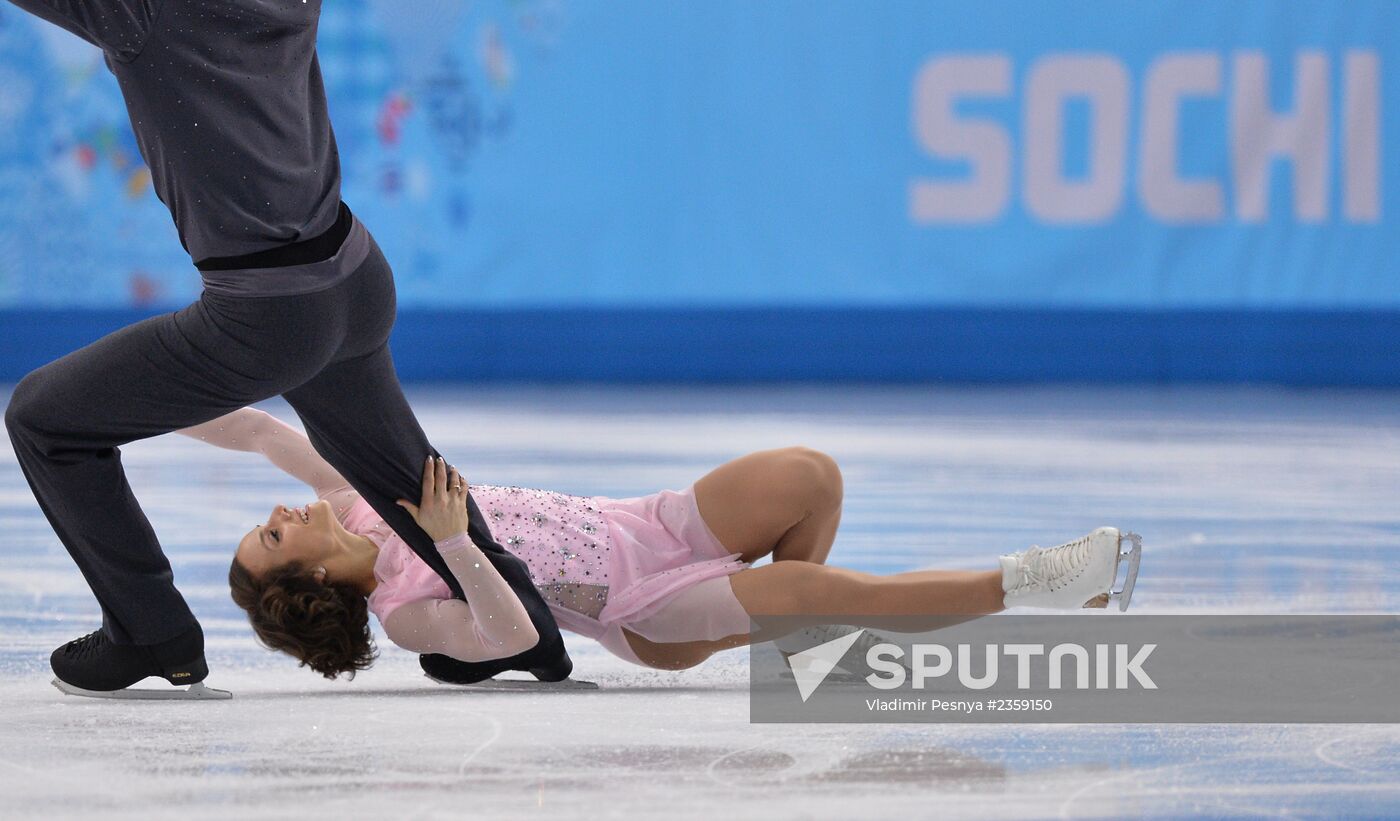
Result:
<point x="256" y="431"/>
<point x="491" y="624"/>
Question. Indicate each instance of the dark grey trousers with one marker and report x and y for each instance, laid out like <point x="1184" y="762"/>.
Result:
<point x="326" y="352"/>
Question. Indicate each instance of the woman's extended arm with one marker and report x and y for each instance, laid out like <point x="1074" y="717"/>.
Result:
<point x="492" y="623"/>
<point x="256" y="431"/>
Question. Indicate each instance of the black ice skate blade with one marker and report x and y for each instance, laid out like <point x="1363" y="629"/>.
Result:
<point x="521" y="685"/>
<point x="194" y="692"/>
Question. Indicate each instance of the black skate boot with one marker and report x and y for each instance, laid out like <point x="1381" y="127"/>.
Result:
<point x="547" y="663"/>
<point x="94" y="666"/>
<point x="447" y="670"/>
<point x="551" y="665"/>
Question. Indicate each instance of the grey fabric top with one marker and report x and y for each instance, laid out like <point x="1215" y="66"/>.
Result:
<point x="226" y="100"/>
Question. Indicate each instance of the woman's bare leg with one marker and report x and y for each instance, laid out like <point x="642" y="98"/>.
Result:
<point x="864" y="599"/>
<point x="786" y="502"/>
<point x="848" y="596"/>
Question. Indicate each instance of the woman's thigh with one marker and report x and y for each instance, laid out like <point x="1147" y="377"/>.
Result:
<point x="676" y="655"/>
<point x="751" y="503"/>
<point x="696" y="622"/>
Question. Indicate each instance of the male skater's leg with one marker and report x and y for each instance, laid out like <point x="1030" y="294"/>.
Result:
<point x="66" y="421"/>
<point x="357" y="418"/>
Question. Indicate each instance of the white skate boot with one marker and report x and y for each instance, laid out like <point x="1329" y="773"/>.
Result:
<point x="852" y="663"/>
<point x="1080" y="573"/>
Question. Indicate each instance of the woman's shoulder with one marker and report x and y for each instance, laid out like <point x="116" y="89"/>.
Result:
<point x="401" y="577"/>
<point x="393" y="581"/>
<point x="392" y="594"/>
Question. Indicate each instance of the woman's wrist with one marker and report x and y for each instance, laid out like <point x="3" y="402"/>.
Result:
<point x="456" y="541"/>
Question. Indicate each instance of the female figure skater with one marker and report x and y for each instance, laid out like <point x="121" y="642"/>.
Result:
<point x="662" y="580"/>
<point x="229" y="111"/>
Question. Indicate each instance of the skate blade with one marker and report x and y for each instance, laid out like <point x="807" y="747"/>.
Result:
<point x="835" y="676"/>
<point x="1124" y="594"/>
<point x="195" y="692"/>
<point x="1133" y="554"/>
<point x="521" y="685"/>
<point x="1134" y="561"/>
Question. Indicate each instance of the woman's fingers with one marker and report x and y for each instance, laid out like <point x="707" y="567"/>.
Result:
<point x="441" y="481"/>
<point x="441" y="511"/>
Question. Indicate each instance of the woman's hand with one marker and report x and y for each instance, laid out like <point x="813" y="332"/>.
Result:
<point x="442" y="512"/>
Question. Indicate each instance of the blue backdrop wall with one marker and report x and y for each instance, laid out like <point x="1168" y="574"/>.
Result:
<point x="736" y="190"/>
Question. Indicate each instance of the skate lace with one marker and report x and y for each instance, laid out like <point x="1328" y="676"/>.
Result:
<point x="1048" y="568"/>
<point x="83" y="647"/>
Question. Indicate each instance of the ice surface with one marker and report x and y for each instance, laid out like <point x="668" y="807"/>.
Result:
<point x="1249" y="500"/>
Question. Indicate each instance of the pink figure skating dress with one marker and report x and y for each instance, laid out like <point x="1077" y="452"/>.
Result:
<point x="648" y="564"/>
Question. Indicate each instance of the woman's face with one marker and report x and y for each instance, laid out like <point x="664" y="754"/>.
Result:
<point x="304" y="534"/>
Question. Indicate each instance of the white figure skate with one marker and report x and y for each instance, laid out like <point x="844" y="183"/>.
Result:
<point x="1081" y="573"/>
<point x="852" y="664"/>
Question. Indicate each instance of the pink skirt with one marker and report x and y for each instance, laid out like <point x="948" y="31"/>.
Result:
<point x="668" y="574"/>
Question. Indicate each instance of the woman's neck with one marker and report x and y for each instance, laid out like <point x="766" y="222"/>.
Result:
<point x="354" y="563"/>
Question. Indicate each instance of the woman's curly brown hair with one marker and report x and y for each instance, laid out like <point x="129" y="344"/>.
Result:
<point x="324" y="626"/>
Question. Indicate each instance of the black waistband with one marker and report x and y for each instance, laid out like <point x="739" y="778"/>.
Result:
<point x="303" y="252"/>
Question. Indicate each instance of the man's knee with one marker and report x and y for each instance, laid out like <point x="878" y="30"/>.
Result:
<point x="25" y="409"/>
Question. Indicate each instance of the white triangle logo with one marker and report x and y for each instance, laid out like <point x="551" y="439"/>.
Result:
<point x="811" y="666"/>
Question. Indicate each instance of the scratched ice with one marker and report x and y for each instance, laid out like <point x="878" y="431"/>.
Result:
<point x="1251" y="500"/>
